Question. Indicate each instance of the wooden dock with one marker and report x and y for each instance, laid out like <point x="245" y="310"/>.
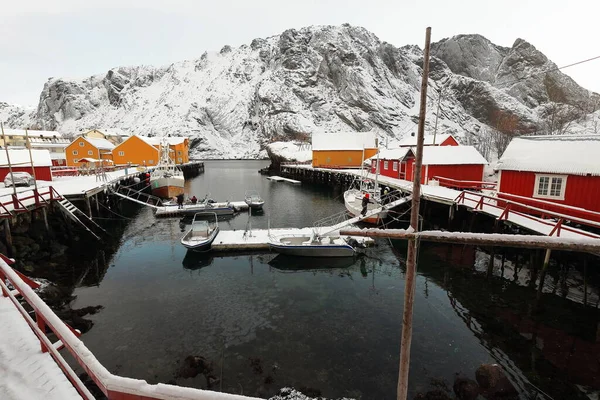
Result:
<point x="258" y="239"/>
<point x="276" y="178"/>
<point x="172" y="210"/>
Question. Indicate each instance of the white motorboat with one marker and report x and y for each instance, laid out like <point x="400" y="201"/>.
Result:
<point x="311" y="246"/>
<point x="166" y="180"/>
<point x="253" y="199"/>
<point x="202" y="232"/>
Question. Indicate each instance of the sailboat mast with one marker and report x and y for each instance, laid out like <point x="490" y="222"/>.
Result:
<point x="377" y="170"/>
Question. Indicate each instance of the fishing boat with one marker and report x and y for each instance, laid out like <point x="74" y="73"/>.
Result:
<point x="353" y="197"/>
<point x="253" y="199"/>
<point x="202" y="232"/>
<point x="311" y="245"/>
<point x="166" y="180"/>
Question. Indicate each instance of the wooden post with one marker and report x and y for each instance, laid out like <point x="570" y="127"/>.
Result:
<point x="8" y="236"/>
<point x="35" y="192"/>
<point x="89" y="206"/>
<point x="15" y="203"/>
<point x="45" y="216"/>
<point x="42" y="325"/>
<point x="543" y="272"/>
<point x="97" y="204"/>
<point x="585" y="263"/>
<point x="411" y="262"/>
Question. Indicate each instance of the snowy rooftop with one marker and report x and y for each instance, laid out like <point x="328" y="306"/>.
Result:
<point x="452" y="155"/>
<point x="560" y="154"/>
<point x="156" y="140"/>
<point x="391" y="154"/>
<point x="343" y="141"/>
<point x="101" y="144"/>
<point x="112" y="133"/>
<point x="31" y="133"/>
<point x="20" y="158"/>
<point x="427" y="140"/>
<point x="291" y="151"/>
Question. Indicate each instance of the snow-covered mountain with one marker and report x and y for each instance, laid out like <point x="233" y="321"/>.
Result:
<point x="15" y="116"/>
<point x="325" y="78"/>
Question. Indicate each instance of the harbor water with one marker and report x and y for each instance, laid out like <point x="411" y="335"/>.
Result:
<point x="262" y="322"/>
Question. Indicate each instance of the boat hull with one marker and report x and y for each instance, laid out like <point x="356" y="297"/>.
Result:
<point x="255" y="206"/>
<point x="353" y="204"/>
<point x="304" y="246"/>
<point x="167" y="187"/>
<point x="191" y="210"/>
<point x="199" y="245"/>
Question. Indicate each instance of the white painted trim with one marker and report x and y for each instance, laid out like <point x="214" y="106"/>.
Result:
<point x="563" y="186"/>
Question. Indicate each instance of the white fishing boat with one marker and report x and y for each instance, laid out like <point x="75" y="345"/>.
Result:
<point x="311" y="246"/>
<point x="353" y="197"/>
<point x="253" y="199"/>
<point x="166" y="180"/>
<point x="202" y="232"/>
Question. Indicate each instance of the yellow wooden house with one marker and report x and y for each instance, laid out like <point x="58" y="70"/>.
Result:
<point x="342" y="150"/>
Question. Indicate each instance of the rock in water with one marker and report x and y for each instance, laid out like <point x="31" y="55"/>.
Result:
<point x="493" y="381"/>
<point x="465" y="388"/>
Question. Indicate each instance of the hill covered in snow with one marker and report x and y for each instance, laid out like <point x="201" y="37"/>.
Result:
<point x="323" y="78"/>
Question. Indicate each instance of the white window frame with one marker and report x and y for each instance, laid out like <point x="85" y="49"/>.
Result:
<point x="121" y="154"/>
<point x="563" y="186"/>
<point x="395" y="166"/>
<point x="75" y="152"/>
<point x="81" y="143"/>
<point x="151" y="162"/>
<point x="90" y="152"/>
<point x="385" y="164"/>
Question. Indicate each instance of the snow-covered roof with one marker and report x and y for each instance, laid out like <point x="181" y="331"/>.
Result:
<point x="557" y="154"/>
<point x="157" y="140"/>
<point x="118" y="133"/>
<point x="31" y="133"/>
<point x="391" y="154"/>
<point x="343" y="141"/>
<point x="291" y="151"/>
<point x="58" y="156"/>
<point x="20" y="158"/>
<point x="101" y="144"/>
<point x="452" y="155"/>
<point x="427" y="140"/>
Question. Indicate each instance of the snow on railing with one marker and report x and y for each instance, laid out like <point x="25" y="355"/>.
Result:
<point x="461" y="184"/>
<point x="113" y="386"/>
<point x="16" y="203"/>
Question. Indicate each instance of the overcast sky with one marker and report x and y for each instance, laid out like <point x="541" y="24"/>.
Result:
<point x="77" y="38"/>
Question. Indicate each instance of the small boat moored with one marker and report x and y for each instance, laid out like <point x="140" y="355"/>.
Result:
<point x="202" y="232"/>
<point x="253" y="199"/>
<point x="311" y="246"/>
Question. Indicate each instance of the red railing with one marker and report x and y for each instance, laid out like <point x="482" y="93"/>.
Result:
<point x="18" y="203"/>
<point x="460" y="184"/>
<point x="557" y="226"/>
<point x="114" y="387"/>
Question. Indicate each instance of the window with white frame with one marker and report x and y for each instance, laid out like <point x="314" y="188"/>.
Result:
<point x="121" y="153"/>
<point x="385" y="164"/>
<point x="81" y="143"/>
<point x="395" y="165"/>
<point x="90" y="153"/>
<point x="75" y="152"/>
<point x="550" y="186"/>
<point x="179" y="159"/>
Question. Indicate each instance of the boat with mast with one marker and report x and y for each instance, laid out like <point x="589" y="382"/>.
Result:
<point x="353" y="196"/>
<point x="166" y="180"/>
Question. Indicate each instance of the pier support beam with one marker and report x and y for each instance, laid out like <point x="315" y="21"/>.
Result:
<point x="89" y="206"/>
<point x="543" y="273"/>
<point x="45" y="216"/>
<point x="8" y="236"/>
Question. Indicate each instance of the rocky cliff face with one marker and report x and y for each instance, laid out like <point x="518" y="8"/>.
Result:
<point x="328" y="79"/>
<point x="15" y="116"/>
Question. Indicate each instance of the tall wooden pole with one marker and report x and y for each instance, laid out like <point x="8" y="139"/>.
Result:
<point x="31" y="159"/>
<point x="411" y="258"/>
<point x="9" y="164"/>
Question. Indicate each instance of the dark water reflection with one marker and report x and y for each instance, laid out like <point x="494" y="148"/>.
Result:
<point x="269" y="321"/>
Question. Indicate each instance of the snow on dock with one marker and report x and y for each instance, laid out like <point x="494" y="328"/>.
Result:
<point x="258" y="239"/>
<point x="172" y="210"/>
<point x="26" y="372"/>
<point x="276" y="178"/>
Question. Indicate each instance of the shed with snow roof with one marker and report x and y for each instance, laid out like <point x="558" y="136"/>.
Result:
<point x="342" y="150"/>
<point x="445" y="139"/>
<point x="562" y="169"/>
<point x="461" y="163"/>
<point x="88" y="147"/>
<point x="21" y="162"/>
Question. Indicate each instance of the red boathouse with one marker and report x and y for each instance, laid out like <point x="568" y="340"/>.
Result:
<point x="561" y="169"/>
<point x="461" y="163"/>
<point x="20" y="162"/>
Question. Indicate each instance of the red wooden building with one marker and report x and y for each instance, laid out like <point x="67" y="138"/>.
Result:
<point x="544" y="170"/>
<point x="462" y="163"/>
<point x="430" y="140"/>
<point x="20" y="161"/>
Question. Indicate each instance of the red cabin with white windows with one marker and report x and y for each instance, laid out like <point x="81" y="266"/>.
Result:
<point x="561" y="169"/>
<point x="460" y="163"/>
<point x="430" y="140"/>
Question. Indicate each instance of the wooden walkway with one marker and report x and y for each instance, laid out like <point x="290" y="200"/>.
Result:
<point x="26" y="372"/>
<point x="478" y="203"/>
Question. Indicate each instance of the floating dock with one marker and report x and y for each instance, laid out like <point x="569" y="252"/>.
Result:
<point x="276" y="178"/>
<point x="172" y="210"/>
<point x="258" y="239"/>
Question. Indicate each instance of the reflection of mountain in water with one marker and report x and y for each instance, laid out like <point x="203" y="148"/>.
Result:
<point x="554" y="342"/>
<point x="290" y="263"/>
